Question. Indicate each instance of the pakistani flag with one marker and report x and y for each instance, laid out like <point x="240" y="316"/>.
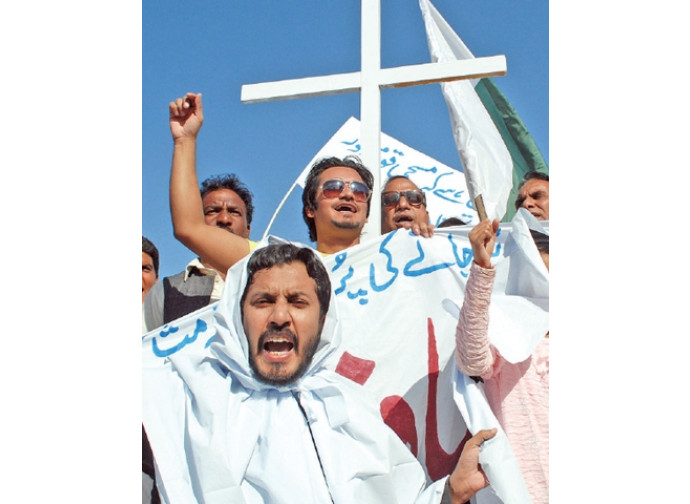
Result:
<point x="523" y="150"/>
<point x="525" y="156"/>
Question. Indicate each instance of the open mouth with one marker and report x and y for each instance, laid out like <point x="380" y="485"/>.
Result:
<point x="278" y="346"/>
<point x="346" y="207"/>
<point x="403" y="219"/>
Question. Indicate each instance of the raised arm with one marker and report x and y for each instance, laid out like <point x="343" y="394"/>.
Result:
<point x="473" y="353"/>
<point x="216" y="247"/>
<point x="483" y="241"/>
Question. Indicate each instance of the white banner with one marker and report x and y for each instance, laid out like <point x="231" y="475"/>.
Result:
<point x="399" y="335"/>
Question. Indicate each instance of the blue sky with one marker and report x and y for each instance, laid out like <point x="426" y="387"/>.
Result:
<point x="216" y="47"/>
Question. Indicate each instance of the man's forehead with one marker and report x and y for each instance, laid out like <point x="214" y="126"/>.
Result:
<point x="535" y="185"/>
<point x="400" y="184"/>
<point x="223" y="196"/>
<point x="281" y="276"/>
<point x="145" y="257"/>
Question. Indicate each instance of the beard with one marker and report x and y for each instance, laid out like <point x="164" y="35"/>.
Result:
<point x="346" y="224"/>
<point x="275" y="374"/>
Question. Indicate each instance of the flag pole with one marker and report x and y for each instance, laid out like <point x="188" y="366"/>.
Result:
<point x="275" y="214"/>
<point x="479" y="206"/>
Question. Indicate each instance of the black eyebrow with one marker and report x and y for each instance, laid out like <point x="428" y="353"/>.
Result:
<point x="262" y="295"/>
<point x="299" y="294"/>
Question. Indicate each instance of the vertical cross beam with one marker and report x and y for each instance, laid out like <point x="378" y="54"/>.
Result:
<point x="370" y="107"/>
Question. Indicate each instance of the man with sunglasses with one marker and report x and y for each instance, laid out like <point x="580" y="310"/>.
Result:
<point x="403" y="205"/>
<point x="335" y="202"/>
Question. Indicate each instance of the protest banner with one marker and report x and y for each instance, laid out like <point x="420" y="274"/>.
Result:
<point x="399" y="333"/>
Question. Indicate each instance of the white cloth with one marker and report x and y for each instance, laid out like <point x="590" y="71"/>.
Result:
<point x="220" y="435"/>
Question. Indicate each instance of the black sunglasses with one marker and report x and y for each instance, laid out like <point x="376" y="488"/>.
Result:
<point x="414" y="197"/>
<point x="333" y="187"/>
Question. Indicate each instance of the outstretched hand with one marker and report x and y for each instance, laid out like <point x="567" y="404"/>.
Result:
<point x="186" y="116"/>
<point x="483" y="240"/>
<point x="468" y="478"/>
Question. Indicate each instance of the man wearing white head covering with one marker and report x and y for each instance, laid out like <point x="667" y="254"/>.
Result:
<point x="260" y="418"/>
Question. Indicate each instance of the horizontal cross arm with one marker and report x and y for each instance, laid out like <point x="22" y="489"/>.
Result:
<point x="411" y="75"/>
<point x="446" y="71"/>
<point x="301" y="88"/>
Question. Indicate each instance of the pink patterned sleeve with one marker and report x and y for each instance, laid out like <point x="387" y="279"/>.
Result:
<point x="473" y="352"/>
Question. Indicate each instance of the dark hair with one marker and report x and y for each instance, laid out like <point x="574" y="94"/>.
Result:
<point x="286" y="253"/>
<point x="395" y="177"/>
<point x="231" y="182"/>
<point x="311" y="185"/>
<point x="533" y="174"/>
<point x="148" y="247"/>
<point x="452" y="221"/>
<point x="541" y="240"/>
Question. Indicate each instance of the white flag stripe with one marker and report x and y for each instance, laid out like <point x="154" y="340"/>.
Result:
<point x="486" y="161"/>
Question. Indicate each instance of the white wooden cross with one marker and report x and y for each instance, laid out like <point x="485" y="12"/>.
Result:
<point x="369" y="81"/>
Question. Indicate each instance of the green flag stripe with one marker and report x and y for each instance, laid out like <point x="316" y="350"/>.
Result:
<point x="523" y="150"/>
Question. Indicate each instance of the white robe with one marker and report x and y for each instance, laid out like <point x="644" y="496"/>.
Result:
<point x="218" y="435"/>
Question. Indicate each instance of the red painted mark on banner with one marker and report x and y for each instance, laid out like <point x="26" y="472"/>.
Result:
<point x="438" y="461"/>
<point x="399" y="416"/>
<point x="356" y="369"/>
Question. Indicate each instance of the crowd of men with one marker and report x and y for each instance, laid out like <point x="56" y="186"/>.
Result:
<point x="284" y="296"/>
